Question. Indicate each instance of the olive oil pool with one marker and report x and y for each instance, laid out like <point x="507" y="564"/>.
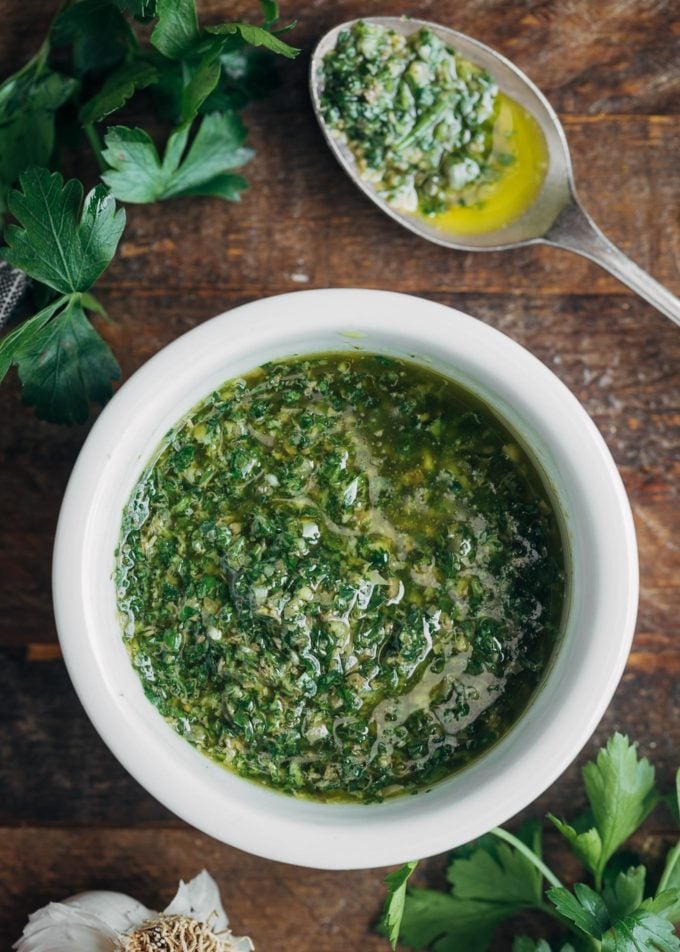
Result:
<point x="341" y="576"/>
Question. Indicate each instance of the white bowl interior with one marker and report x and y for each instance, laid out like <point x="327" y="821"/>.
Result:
<point x="583" y="674"/>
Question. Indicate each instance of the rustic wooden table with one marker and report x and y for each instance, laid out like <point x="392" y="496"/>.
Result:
<point x="70" y="817"/>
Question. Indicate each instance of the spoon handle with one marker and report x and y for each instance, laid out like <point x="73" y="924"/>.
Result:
<point x="576" y="231"/>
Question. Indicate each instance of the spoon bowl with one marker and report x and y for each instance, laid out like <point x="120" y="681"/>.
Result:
<point x="556" y="217"/>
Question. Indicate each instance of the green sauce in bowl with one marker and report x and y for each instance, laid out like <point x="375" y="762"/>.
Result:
<point x="341" y="577"/>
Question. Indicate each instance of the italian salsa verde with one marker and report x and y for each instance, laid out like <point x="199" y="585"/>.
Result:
<point x="430" y="130"/>
<point x="341" y="576"/>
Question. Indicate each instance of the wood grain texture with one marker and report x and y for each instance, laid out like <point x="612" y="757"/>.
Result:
<point x="70" y="816"/>
<point x="614" y="56"/>
<point x="295" y="909"/>
<point x="281" y="907"/>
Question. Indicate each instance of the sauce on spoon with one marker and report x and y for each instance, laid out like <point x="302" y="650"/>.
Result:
<point x="492" y="205"/>
<point x="430" y="130"/>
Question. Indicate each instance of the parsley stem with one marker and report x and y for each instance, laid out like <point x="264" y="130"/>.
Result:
<point x="95" y="141"/>
<point x="530" y="855"/>
<point x="672" y="861"/>
<point x="552" y="879"/>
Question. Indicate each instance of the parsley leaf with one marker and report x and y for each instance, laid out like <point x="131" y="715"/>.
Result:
<point x="28" y="102"/>
<point x="524" y="944"/>
<point x="394" y="903"/>
<point x="620" y="789"/>
<point x="218" y="82"/>
<point x="64" y="365"/>
<point x="137" y="173"/>
<point x="18" y="339"/>
<point x="202" y="81"/>
<point x="178" y="34"/>
<point x="665" y="903"/>
<point x="177" y="29"/>
<point x="638" y="930"/>
<point x="490" y="881"/>
<point x="63" y="242"/>
<point x="142" y="10"/>
<point x="641" y="931"/>
<point x="118" y="87"/>
<point x="675" y="800"/>
<point x="255" y="36"/>
<point x="215" y="64"/>
<point x="584" y="907"/>
<point x="443" y="923"/>
<point x="587" y="844"/>
<point x="98" y="32"/>
<point x="496" y="872"/>
<point x="246" y="74"/>
<point x="626" y="892"/>
<point x="270" y="12"/>
<point x="670" y="882"/>
<point x="621" y="793"/>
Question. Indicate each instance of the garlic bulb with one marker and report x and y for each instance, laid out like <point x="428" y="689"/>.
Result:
<point x="195" y="921"/>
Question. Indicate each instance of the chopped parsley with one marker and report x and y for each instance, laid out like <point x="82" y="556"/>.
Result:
<point x="417" y="116"/>
<point x="341" y="577"/>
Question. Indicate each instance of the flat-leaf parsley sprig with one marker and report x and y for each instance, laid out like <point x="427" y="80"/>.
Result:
<point x="64" y="242"/>
<point x="501" y="874"/>
<point x="90" y="65"/>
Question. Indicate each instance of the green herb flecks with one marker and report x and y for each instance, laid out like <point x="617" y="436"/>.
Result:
<point x="416" y="115"/>
<point x="342" y="577"/>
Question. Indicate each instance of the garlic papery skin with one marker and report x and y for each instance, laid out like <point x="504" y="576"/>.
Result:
<point x="63" y="925"/>
<point x="195" y="921"/>
<point x="120" y="912"/>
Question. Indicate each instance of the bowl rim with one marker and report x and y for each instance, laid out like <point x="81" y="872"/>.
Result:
<point x="264" y="822"/>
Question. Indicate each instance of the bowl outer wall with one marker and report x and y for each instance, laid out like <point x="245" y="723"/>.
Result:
<point x="585" y="670"/>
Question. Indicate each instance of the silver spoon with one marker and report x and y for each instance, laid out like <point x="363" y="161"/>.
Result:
<point x="555" y="218"/>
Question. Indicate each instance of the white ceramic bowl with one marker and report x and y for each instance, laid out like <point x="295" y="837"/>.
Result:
<point x="584" y="673"/>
